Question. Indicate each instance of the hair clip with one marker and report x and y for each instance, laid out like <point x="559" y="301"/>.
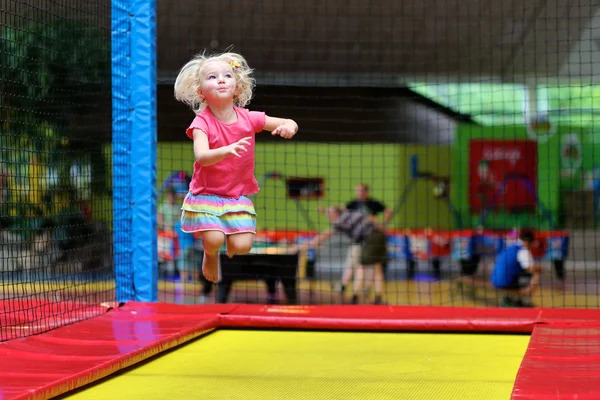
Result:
<point x="235" y="64"/>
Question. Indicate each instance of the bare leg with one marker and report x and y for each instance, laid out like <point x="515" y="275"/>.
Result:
<point x="212" y="241"/>
<point x="239" y="243"/>
<point x="347" y="274"/>
<point x="533" y="284"/>
<point x="369" y="280"/>
<point x="351" y="263"/>
<point x="359" y="278"/>
<point x="378" y="281"/>
<point x="184" y="276"/>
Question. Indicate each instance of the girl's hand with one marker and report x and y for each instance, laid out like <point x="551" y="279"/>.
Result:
<point x="286" y="131"/>
<point x="239" y="146"/>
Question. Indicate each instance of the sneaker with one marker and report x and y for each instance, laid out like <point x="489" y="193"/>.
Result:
<point x="355" y="299"/>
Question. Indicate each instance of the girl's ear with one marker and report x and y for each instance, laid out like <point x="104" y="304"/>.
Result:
<point x="199" y="91"/>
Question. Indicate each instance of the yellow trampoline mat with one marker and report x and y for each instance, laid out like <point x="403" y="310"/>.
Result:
<point x="255" y="364"/>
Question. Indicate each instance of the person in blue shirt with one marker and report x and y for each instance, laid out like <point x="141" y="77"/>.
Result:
<point x="515" y="268"/>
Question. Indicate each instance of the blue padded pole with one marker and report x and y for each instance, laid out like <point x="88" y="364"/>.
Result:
<point x="121" y="150"/>
<point x="134" y="149"/>
<point x="143" y="160"/>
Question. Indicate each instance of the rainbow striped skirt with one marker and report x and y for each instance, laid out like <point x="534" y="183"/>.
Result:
<point x="215" y="213"/>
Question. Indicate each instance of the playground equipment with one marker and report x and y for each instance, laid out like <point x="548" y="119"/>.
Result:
<point x="441" y="188"/>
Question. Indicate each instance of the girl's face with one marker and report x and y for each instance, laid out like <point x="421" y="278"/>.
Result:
<point x="217" y="83"/>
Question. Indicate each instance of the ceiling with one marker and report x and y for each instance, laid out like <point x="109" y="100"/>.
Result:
<point x="366" y="42"/>
<point x="381" y="42"/>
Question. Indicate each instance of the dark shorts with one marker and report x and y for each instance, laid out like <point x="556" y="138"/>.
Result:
<point x="520" y="281"/>
<point x="374" y="250"/>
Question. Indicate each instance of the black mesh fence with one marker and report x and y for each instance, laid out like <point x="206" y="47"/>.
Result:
<point x="55" y="166"/>
<point x="466" y="121"/>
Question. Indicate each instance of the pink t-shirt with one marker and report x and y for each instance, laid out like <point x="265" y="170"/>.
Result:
<point x="233" y="176"/>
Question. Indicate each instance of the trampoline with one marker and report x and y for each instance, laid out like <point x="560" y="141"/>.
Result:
<point x="158" y="350"/>
<point x="257" y="364"/>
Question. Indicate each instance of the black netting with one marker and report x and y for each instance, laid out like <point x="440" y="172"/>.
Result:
<point x="469" y="120"/>
<point x="55" y="166"/>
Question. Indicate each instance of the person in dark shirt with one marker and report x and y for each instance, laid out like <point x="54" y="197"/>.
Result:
<point x="366" y="234"/>
<point x="373" y="209"/>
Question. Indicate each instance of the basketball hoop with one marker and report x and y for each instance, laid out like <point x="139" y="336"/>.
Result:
<point x="540" y="128"/>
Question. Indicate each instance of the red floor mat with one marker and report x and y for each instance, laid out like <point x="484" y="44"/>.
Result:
<point x="562" y="361"/>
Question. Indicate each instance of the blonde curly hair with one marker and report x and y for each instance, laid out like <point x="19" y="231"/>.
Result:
<point x="189" y="79"/>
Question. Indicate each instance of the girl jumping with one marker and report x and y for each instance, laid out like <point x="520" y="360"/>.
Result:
<point x="217" y="87"/>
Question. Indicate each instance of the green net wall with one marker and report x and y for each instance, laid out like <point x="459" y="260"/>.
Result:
<point x="55" y="145"/>
<point x="468" y="121"/>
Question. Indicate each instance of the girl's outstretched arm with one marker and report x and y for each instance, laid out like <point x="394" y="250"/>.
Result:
<point x="286" y="128"/>
<point x="207" y="156"/>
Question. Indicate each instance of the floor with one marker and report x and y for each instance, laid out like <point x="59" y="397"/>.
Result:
<point x="580" y="291"/>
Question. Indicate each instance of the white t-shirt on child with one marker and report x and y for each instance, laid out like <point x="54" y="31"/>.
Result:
<point x="525" y="258"/>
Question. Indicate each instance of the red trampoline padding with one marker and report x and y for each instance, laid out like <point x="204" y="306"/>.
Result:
<point x="369" y="318"/>
<point x="47" y="365"/>
<point x="568" y="316"/>
<point x="561" y="362"/>
<point x="26" y="316"/>
<point x="563" y="359"/>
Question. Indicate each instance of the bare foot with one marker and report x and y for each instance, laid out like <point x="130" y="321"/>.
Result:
<point x="210" y="267"/>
